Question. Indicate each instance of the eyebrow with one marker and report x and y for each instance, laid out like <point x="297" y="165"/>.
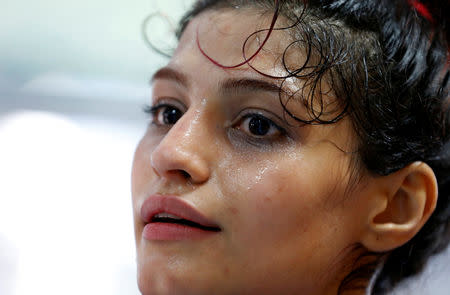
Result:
<point x="247" y="85"/>
<point x="167" y="73"/>
<point x="235" y="85"/>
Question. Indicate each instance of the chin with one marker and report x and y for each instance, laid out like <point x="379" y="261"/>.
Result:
<point x="152" y="281"/>
<point x="151" y="284"/>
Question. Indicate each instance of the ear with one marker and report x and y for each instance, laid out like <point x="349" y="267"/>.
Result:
<point x="403" y="203"/>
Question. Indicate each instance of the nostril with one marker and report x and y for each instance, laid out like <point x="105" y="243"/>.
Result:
<point x="179" y="172"/>
<point x="185" y="174"/>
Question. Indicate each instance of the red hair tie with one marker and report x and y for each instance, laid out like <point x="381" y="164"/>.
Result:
<point x="422" y="10"/>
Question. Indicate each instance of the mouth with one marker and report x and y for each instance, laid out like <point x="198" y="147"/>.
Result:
<point x="172" y="218"/>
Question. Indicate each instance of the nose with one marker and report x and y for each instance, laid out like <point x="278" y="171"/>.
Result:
<point x="183" y="152"/>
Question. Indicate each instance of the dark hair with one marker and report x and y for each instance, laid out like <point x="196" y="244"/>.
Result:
<point x="387" y="62"/>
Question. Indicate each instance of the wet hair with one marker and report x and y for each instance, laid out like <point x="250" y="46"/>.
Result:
<point x="388" y="66"/>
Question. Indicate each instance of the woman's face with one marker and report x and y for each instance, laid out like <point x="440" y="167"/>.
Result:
<point x="273" y="193"/>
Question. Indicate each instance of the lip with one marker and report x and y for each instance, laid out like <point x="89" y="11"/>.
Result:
<point x="170" y="204"/>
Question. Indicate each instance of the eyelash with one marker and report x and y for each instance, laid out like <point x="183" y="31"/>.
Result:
<point x="154" y="112"/>
<point x="253" y="115"/>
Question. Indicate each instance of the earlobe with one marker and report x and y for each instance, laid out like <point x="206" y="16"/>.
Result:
<point x="406" y="200"/>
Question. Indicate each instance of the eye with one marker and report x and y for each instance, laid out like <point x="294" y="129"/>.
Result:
<point x="164" y="114"/>
<point x="257" y="125"/>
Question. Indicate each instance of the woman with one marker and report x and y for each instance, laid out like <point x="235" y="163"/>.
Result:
<point x="295" y="148"/>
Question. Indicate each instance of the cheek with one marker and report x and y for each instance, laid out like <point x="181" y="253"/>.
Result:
<point x="283" y="197"/>
<point x="142" y="174"/>
<point x="272" y="199"/>
<point x="277" y="217"/>
<point x="280" y="201"/>
<point x="141" y="171"/>
<point x="138" y="159"/>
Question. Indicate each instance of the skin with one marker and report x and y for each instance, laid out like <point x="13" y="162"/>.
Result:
<point x="289" y="220"/>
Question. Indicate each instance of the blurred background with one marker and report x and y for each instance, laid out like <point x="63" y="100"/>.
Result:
<point x="74" y="76"/>
<point x="73" y="80"/>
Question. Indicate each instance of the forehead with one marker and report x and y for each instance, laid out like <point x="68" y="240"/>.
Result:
<point x="215" y="41"/>
<point x="233" y="36"/>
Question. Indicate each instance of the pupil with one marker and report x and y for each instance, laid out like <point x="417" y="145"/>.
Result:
<point x="171" y="116"/>
<point x="259" y="126"/>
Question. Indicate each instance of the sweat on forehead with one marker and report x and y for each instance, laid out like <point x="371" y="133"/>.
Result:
<point x="299" y="67"/>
